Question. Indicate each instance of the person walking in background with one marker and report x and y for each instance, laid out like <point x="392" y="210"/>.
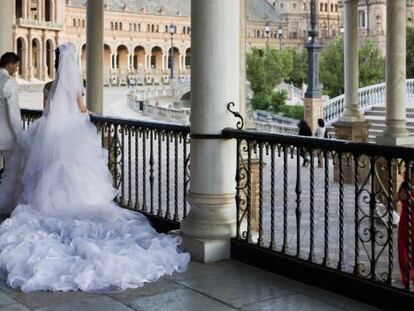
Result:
<point x="321" y="132"/>
<point x="321" y="129"/>
<point x="10" y="118"/>
<point x="304" y="130"/>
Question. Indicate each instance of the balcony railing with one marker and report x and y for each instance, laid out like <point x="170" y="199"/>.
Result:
<point x="336" y="213"/>
<point x="331" y="223"/>
<point x="31" y="23"/>
<point x="149" y="164"/>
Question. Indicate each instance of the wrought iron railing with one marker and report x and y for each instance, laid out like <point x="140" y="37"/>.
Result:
<point x="148" y="161"/>
<point x="367" y="97"/>
<point x="338" y="212"/>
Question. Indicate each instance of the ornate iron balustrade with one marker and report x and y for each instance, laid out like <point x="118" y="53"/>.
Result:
<point x="367" y="97"/>
<point x="311" y="214"/>
<point x="149" y="163"/>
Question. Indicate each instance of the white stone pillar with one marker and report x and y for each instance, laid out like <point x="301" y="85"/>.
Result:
<point x="128" y="62"/>
<point x="243" y="108"/>
<point x="395" y="132"/>
<point x="41" y="10"/>
<point x="94" y="63"/>
<point x="6" y="22"/>
<point x="351" y="111"/>
<point x="206" y="231"/>
<point x="180" y="64"/>
<point x="44" y="58"/>
<point x="30" y="58"/>
<point x="25" y="9"/>
<point x="111" y="61"/>
<point x="163" y="63"/>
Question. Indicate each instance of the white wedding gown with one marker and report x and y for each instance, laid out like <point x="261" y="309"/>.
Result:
<point x="65" y="233"/>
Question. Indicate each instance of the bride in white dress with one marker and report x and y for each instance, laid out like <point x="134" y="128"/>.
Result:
<point x="65" y="232"/>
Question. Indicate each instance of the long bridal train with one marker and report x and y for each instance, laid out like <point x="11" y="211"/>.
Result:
<point x="65" y="232"/>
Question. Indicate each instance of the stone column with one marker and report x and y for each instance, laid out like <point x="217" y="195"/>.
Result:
<point x="41" y="10"/>
<point x="351" y="111"/>
<point x="94" y="48"/>
<point x="43" y="58"/>
<point x="163" y="69"/>
<point x="25" y="9"/>
<point x="395" y="132"/>
<point x="207" y="229"/>
<point x="29" y="58"/>
<point x="242" y="75"/>
<point x="351" y="125"/>
<point x="111" y="61"/>
<point x="6" y="22"/>
<point x="180" y="65"/>
<point x="128" y="62"/>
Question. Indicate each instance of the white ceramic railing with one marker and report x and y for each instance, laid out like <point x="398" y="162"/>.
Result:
<point x="368" y="97"/>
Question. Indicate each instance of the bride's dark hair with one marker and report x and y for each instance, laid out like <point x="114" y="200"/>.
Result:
<point x="57" y="54"/>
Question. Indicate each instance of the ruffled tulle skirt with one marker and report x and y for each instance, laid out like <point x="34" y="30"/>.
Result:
<point x="65" y="232"/>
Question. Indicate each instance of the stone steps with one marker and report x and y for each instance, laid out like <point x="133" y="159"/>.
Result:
<point x="376" y="120"/>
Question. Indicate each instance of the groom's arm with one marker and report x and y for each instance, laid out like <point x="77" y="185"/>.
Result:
<point x="13" y="108"/>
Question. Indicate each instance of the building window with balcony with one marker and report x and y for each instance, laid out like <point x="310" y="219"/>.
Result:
<point x="326" y="7"/>
<point x="19" y="9"/>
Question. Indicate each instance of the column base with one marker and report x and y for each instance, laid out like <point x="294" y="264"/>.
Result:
<point x="395" y="141"/>
<point x="313" y="110"/>
<point x="206" y="250"/>
<point x="356" y="132"/>
<point x="210" y="217"/>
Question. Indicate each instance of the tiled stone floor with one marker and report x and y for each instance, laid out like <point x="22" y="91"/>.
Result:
<point x="226" y="285"/>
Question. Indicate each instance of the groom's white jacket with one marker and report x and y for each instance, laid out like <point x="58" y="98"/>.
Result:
<point x="10" y="118"/>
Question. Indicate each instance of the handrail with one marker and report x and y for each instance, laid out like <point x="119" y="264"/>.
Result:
<point x="319" y="143"/>
<point x="127" y="122"/>
<point x="367" y="97"/>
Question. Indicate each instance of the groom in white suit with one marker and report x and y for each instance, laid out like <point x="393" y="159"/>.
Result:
<point x="10" y="118"/>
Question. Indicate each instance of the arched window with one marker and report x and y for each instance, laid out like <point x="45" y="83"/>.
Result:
<point x="183" y="30"/>
<point x="158" y="28"/>
<point x="139" y="27"/>
<point x="116" y="25"/>
<point x="74" y="22"/>
<point x="166" y="28"/>
<point x="112" y="26"/>
<point x="148" y="27"/>
<point x="152" y="28"/>
<point x="120" y="26"/>
<point x="135" y="27"/>
<point x="83" y="23"/>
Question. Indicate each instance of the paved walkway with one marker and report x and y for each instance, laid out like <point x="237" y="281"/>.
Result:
<point x="227" y="285"/>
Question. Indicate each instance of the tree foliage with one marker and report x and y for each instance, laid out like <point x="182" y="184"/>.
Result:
<point x="269" y="67"/>
<point x="371" y="66"/>
<point x="410" y="53"/>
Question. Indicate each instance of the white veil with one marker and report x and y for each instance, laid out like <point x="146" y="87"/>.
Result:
<point x="67" y="84"/>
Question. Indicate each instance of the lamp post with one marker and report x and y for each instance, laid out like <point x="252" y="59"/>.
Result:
<point x="279" y="35"/>
<point x="314" y="87"/>
<point x="171" y="29"/>
<point x="267" y="30"/>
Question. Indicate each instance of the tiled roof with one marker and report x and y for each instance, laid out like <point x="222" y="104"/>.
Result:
<point x="256" y="9"/>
